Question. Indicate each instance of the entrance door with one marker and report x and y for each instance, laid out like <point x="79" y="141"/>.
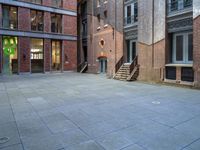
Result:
<point x="103" y="65"/>
<point x="10" y="55"/>
<point x="131" y="51"/>
<point x="85" y="53"/>
<point x="56" y="56"/>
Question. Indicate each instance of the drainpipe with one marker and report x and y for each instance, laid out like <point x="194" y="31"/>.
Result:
<point x="115" y="31"/>
<point x="153" y="15"/>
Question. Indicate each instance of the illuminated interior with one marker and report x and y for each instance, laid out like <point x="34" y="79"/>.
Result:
<point x="56" y="53"/>
<point x="37" y="56"/>
<point x="10" y="56"/>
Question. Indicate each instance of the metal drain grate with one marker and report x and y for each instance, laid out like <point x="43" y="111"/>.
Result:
<point x="3" y="140"/>
<point x="156" y="102"/>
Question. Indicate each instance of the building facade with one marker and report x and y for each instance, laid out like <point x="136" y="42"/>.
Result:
<point x="38" y="36"/>
<point x="156" y="41"/>
<point x="101" y="30"/>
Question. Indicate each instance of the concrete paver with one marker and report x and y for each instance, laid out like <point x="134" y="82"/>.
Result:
<point x="72" y="111"/>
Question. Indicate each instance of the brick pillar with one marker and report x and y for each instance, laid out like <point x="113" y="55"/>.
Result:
<point x="1" y="54"/>
<point x="178" y="74"/>
<point x="47" y="22"/>
<point x="70" y="55"/>
<point x="196" y="42"/>
<point x="196" y="50"/>
<point x="0" y="16"/>
<point x="24" y="47"/>
<point x="24" y="19"/>
<point x="70" y="4"/>
<point x="46" y="2"/>
<point x="47" y="54"/>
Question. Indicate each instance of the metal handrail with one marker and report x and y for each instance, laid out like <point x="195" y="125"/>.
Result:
<point x="134" y="64"/>
<point x="119" y="64"/>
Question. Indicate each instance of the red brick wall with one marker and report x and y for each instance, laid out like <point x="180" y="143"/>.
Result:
<point x="24" y="46"/>
<point x="70" y="50"/>
<point x="0" y="15"/>
<point x="47" y="54"/>
<point x="70" y="25"/>
<point x="46" y="2"/>
<point x="70" y="4"/>
<point x="24" y="19"/>
<point x="1" y="49"/>
<point x="196" y="50"/>
<point x="47" y="22"/>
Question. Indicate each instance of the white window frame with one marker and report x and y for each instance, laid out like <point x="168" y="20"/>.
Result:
<point x="132" y="11"/>
<point x="185" y="48"/>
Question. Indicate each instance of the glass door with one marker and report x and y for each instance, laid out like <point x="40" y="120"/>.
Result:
<point x="131" y="53"/>
<point x="10" y="55"/>
<point x="56" y="56"/>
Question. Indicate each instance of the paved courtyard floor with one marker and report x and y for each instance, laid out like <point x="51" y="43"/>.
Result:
<point x="74" y="111"/>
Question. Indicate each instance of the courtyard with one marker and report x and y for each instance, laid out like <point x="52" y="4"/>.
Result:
<point x="72" y="111"/>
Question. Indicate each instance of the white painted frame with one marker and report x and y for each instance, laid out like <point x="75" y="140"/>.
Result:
<point x="185" y="48"/>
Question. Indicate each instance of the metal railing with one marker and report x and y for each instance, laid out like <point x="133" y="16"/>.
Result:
<point x="178" y="5"/>
<point x="134" y="64"/>
<point x="130" y="20"/>
<point x="119" y="64"/>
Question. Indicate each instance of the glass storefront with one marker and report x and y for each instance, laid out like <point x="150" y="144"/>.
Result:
<point x="37" y="55"/>
<point x="56" y="56"/>
<point x="10" y="55"/>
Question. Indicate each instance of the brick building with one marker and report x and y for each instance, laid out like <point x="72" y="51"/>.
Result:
<point x="38" y="36"/>
<point x="157" y="40"/>
<point x="100" y="45"/>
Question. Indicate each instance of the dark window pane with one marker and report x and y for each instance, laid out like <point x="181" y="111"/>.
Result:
<point x="56" y="23"/>
<point x="171" y="73"/>
<point x="190" y="47"/>
<point x="9" y="17"/>
<point x="179" y="48"/>
<point x="187" y="74"/>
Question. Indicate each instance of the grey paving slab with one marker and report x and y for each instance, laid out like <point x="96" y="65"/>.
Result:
<point x="72" y="111"/>
<point x="13" y="147"/>
<point x="114" y="141"/>
<point x="88" y="145"/>
<point x="169" y="139"/>
<point x="10" y="131"/>
<point x="133" y="147"/>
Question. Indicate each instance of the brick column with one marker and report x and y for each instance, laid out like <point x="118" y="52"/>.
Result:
<point x="47" y="22"/>
<point x="47" y="54"/>
<point x="0" y="16"/>
<point x="196" y="42"/>
<point x="1" y="54"/>
<point x="70" y="55"/>
<point x="24" y="46"/>
<point x="24" y="19"/>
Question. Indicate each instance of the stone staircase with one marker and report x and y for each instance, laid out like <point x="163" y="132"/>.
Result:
<point x="123" y="73"/>
<point x="127" y="71"/>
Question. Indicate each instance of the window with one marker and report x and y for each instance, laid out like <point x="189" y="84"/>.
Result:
<point x="37" y="57"/>
<point x="183" y="48"/>
<point x="56" y="23"/>
<point x="10" y="17"/>
<point x="105" y="17"/>
<point x="57" y="3"/>
<point x="131" y="13"/>
<point x="98" y="3"/>
<point x="37" y="20"/>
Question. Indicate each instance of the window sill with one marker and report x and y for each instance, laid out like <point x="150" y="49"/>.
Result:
<point x="179" y="65"/>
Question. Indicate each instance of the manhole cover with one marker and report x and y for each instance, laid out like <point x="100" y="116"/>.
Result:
<point x="3" y="140"/>
<point x="156" y="102"/>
